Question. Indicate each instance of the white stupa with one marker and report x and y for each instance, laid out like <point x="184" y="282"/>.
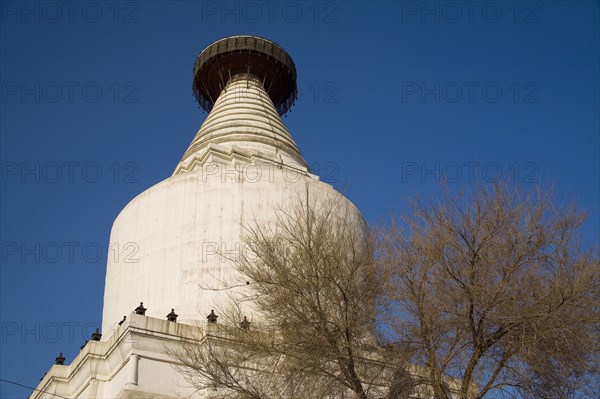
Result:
<point x="240" y="167"/>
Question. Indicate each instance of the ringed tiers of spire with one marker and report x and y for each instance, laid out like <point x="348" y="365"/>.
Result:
<point x="247" y="82"/>
<point x="243" y="121"/>
<point x="246" y="54"/>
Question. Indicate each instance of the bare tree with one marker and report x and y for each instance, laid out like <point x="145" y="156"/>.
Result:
<point x="489" y="293"/>
<point x="313" y="284"/>
<point x="480" y="294"/>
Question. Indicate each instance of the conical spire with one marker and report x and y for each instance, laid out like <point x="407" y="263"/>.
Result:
<point x="254" y="82"/>
<point x="243" y="118"/>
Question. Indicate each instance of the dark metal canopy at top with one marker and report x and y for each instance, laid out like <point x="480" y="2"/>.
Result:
<point x="245" y="54"/>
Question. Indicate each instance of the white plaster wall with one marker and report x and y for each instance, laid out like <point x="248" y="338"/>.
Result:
<point x="178" y="226"/>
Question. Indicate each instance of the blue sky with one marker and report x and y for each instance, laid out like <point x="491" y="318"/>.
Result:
<point x="394" y="96"/>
